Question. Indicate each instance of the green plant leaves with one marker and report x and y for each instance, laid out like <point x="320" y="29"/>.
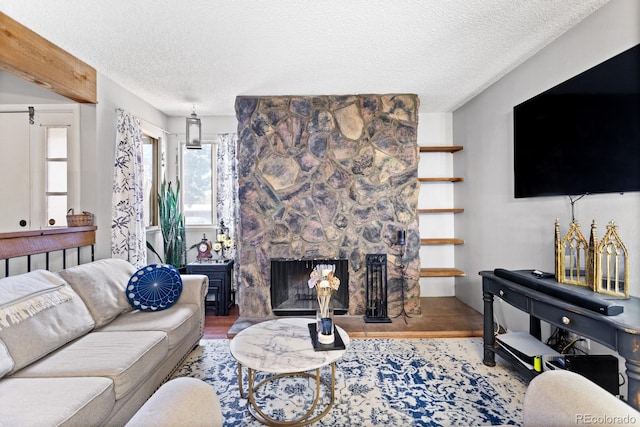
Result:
<point x="171" y="225"/>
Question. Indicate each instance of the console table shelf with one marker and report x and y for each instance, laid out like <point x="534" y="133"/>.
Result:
<point x="620" y="333"/>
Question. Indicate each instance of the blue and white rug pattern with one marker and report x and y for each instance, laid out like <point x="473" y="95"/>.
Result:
<point x="379" y="382"/>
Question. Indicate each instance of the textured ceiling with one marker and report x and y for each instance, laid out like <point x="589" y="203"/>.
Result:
<point x="177" y="53"/>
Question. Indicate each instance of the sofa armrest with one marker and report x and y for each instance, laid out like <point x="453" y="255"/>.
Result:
<point x="194" y="289"/>
<point x="563" y="398"/>
<point x="180" y="402"/>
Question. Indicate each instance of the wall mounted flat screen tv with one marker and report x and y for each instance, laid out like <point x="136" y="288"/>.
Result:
<point x="583" y="135"/>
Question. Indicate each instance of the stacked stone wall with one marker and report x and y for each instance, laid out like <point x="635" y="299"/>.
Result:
<point x="328" y="177"/>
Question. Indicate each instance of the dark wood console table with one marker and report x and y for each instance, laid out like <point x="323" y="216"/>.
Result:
<point x="620" y="333"/>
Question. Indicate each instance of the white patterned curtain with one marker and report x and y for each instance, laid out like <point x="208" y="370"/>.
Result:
<point x="128" y="237"/>
<point x="228" y="209"/>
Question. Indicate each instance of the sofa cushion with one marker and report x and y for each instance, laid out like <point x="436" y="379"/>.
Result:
<point x="101" y="285"/>
<point x="55" y="401"/>
<point x="154" y="287"/>
<point x="39" y="312"/>
<point x="177" y="322"/>
<point x="128" y="358"/>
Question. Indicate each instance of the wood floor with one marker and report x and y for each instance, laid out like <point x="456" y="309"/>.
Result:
<point x="442" y="317"/>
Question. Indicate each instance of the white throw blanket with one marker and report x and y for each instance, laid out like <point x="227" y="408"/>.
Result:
<point x="25" y="295"/>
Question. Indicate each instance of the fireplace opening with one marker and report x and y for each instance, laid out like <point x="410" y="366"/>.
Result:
<point x="290" y="292"/>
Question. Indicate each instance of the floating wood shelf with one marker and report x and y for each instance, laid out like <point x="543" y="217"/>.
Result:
<point x="441" y="272"/>
<point x="447" y="210"/>
<point x="442" y="241"/>
<point x="440" y="148"/>
<point x="442" y="179"/>
<point x="445" y="271"/>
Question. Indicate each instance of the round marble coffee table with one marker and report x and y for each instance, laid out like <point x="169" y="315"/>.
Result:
<point x="284" y="348"/>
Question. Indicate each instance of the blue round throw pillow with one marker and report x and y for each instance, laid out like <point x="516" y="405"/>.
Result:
<point x="154" y="287"/>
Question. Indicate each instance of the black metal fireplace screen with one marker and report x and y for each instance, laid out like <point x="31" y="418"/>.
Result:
<point x="290" y="292"/>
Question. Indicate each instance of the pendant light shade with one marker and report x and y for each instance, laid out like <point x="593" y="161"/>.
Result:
<point x="194" y="131"/>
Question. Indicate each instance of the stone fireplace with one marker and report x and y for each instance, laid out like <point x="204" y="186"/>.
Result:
<point x="328" y="177"/>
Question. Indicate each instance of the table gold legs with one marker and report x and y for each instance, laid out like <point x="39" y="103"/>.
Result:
<point x="240" y="381"/>
<point x="303" y="420"/>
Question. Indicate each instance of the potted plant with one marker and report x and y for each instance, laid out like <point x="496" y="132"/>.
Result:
<point x="171" y="225"/>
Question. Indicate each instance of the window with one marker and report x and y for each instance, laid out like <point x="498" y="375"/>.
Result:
<point x="150" y="163"/>
<point x="56" y="164"/>
<point x="55" y="167"/>
<point x="198" y="182"/>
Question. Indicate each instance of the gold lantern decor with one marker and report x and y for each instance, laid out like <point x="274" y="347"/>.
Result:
<point x="611" y="269"/>
<point x="572" y="256"/>
<point x="602" y="266"/>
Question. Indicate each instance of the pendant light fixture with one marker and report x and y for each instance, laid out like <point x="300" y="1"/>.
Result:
<point x="194" y="131"/>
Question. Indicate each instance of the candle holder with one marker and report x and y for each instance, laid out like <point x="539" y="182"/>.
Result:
<point x="223" y="240"/>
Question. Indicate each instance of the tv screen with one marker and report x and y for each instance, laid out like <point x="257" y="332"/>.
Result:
<point x="583" y="135"/>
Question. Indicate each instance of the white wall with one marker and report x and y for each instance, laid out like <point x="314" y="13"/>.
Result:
<point x="16" y="90"/>
<point x="98" y="151"/>
<point x="503" y="232"/>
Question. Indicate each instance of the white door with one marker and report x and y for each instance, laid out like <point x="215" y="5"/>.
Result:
<point x="39" y="167"/>
<point x="15" y="173"/>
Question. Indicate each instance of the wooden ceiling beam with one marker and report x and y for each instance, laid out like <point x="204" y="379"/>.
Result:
<point x="33" y="58"/>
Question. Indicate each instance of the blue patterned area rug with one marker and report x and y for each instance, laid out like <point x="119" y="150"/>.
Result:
<point x="379" y="382"/>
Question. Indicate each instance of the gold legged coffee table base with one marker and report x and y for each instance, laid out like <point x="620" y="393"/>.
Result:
<point x="303" y="420"/>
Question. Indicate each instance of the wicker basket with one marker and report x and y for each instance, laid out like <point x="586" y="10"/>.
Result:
<point x="80" y="220"/>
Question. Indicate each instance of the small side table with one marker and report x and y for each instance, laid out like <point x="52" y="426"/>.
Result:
<point x="219" y="273"/>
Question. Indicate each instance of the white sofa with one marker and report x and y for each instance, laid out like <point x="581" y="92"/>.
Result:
<point x="74" y="352"/>
<point x="563" y="398"/>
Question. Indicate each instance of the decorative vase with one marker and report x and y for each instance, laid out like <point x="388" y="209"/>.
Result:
<point x="324" y="317"/>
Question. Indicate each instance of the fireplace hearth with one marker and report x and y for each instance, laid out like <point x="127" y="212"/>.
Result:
<point x="290" y="292"/>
